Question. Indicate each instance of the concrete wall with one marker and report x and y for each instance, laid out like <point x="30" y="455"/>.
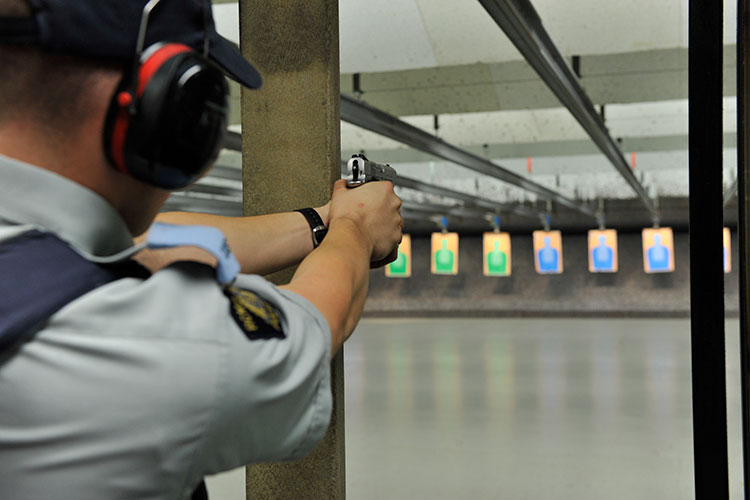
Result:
<point x="576" y="292"/>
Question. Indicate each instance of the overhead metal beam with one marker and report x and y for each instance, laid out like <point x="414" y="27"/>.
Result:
<point x="417" y="211"/>
<point x="730" y="193"/>
<point x="470" y="201"/>
<point x="646" y="76"/>
<point x="233" y="141"/>
<point x="524" y="28"/>
<point x="543" y="149"/>
<point x="430" y="208"/>
<point x="370" y="118"/>
<point x="212" y="185"/>
<point x="226" y="172"/>
<point x="195" y="201"/>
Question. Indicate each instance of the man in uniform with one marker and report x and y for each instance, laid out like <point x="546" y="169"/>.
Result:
<point x="133" y="370"/>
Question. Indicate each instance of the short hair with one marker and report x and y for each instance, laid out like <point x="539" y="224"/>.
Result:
<point x="47" y="88"/>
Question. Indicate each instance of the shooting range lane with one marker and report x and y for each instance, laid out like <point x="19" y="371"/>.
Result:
<point x="520" y="109"/>
<point x="526" y="408"/>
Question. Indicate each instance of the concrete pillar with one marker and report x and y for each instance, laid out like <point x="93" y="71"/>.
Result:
<point x="291" y="157"/>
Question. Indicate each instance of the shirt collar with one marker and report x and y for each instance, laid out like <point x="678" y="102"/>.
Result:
<point x="35" y="196"/>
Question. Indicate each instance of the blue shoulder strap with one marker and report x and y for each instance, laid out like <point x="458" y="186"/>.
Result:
<point x="39" y="275"/>
<point x="208" y="238"/>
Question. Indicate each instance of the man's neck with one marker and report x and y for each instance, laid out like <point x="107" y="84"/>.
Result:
<point x="27" y="142"/>
<point x="80" y="158"/>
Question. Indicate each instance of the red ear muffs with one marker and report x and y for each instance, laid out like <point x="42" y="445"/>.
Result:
<point x="151" y="61"/>
<point x="171" y="130"/>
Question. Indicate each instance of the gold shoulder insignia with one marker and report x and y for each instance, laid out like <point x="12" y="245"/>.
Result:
<point x="255" y="316"/>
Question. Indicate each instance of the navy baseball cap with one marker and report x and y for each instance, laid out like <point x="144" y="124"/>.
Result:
<point x="109" y="29"/>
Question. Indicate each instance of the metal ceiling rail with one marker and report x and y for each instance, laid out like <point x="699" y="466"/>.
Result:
<point x="470" y="201"/>
<point x="730" y="193"/>
<point x="370" y="118"/>
<point x="417" y="211"/>
<point x="226" y="173"/>
<point x="429" y="208"/>
<point x="233" y="141"/>
<point x="205" y="202"/>
<point x="521" y="23"/>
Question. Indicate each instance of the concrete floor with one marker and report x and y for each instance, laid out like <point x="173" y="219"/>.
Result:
<point x="526" y="409"/>
<point x="522" y="409"/>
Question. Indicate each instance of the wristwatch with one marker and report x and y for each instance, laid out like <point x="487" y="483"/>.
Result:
<point x="319" y="230"/>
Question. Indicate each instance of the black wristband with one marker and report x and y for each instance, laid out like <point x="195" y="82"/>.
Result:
<point x="319" y="230"/>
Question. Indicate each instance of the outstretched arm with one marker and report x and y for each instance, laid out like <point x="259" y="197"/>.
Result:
<point x="262" y="244"/>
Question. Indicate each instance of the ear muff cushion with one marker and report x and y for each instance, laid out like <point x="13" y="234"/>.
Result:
<point x="181" y="122"/>
<point x="119" y="118"/>
<point x="115" y="128"/>
<point x="155" y="113"/>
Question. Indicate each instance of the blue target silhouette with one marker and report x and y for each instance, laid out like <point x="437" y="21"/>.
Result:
<point x="604" y="256"/>
<point x="658" y="255"/>
<point x="549" y="258"/>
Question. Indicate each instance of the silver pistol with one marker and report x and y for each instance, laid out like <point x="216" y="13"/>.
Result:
<point x="360" y="170"/>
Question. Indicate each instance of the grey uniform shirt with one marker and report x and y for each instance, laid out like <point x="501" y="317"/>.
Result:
<point x="141" y="387"/>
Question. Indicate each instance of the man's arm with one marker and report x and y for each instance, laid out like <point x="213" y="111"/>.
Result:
<point x="364" y="231"/>
<point x="262" y="244"/>
<point x="365" y="227"/>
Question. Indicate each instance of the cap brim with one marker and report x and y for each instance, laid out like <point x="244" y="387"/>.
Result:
<point x="228" y="57"/>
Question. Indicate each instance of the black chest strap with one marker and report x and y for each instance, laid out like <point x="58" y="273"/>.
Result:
<point x="39" y="275"/>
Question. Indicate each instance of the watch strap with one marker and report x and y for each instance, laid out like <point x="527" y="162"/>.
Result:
<point x="319" y="230"/>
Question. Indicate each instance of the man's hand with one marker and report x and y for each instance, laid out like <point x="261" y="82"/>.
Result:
<point x="365" y="228"/>
<point x="376" y="211"/>
<point x="384" y="262"/>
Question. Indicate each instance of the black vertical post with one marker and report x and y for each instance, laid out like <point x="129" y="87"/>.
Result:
<point x="706" y="254"/>
<point x="743" y="197"/>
